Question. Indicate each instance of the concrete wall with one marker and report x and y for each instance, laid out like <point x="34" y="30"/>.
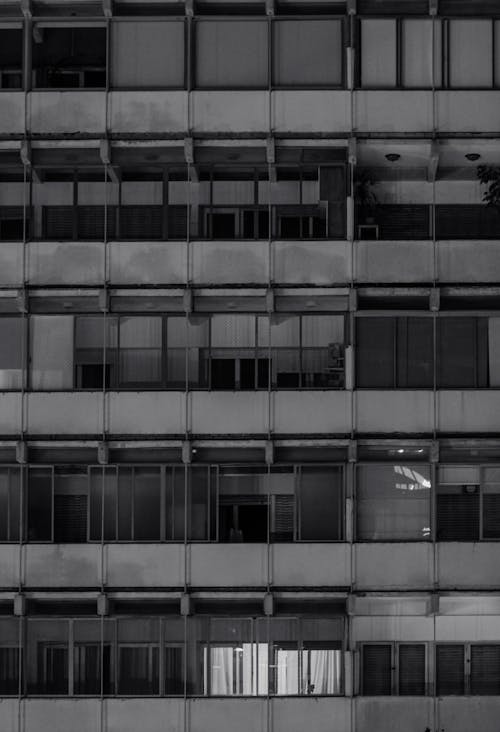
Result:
<point x="394" y="262"/>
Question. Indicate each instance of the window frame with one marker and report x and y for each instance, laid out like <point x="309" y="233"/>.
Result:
<point x="395" y="666"/>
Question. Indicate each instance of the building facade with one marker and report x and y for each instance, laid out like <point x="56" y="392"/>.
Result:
<point x="224" y="503"/>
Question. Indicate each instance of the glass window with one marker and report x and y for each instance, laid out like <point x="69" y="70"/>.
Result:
<point x="11" y="352"/>
<point x="417" y="48"/>
<point x="393" y="503"/>
<point x="378" y="52"/>
<point x="141" y="350"/>
<point x="47" y="651"/>
<point x="201" y="504"/>
<point x="51" y="351"/>
<point x="67" y="57"/>
<point x="9" y="656"/>
<point x="494" y="351"/>
<point x="147" y="54"/>
<point x="321" y="504"/>
<point x="243" y="503"/>
<point x="471" y="53"/>
<point x="103" y="490"/>
<point x="10" y="503"/>
<point x="462" y="350"/>
<point x="70" y="504"/>
<point x="231" y="53"/>
<point x="138" y="657"/>
<point x="39" y="511"/>
<point x="11" y="58"/>
<point x="92" y="334"/>
<point x="92" y="657"/>
<point x="307" y="53"/>
<point x="321" y="656"/>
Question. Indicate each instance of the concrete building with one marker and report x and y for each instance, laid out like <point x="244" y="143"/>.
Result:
<point x="249" y="366"/>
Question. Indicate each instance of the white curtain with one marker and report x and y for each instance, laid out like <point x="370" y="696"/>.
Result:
<point x="287" y="671"/>
<point x="322" y="671"/>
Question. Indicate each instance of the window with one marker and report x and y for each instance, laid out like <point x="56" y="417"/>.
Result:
<point x="39" y="509"/>
<point x="280" y="656"/>
<point x="462" y="355"/>
<point x="393" y="669"/>
<point x="11" y="58"/>
<point x="468" y="503"/>
<point x="231" y="53"/>
<point x="393" y="503"/>
<point x="12" y="348"/>
<point x="10" y="503"/>
<point x="47" y="657"/>
<point x="321" y="507"/>
<point x="9" y="656"/>
<point x="66" y="57"/>
<point x="70" y="505"/>
<point x="307" y="53"/>
<point x="470" y="53"/>
<point x="138" y="657"/>
<point x="421" y="40"/>
<point x="450" y="669"/>
<point x="147" y="54"/>
<point x="394" y="352"/>
<point x="51" y="340"/>
<point x="378" y="52"/>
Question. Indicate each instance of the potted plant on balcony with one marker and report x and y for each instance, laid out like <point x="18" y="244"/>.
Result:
<point x="489" y="175"/>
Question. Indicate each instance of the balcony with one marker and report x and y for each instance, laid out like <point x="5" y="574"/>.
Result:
<point x="468" y="565"/>
<point x="60" y="263"/>
<point x="62" y="565"/>
<point x="394" y="412"/>
<point x="379" y="714"/>
<point x="67" y="112"/>
<point x="394" y="566"/>
<point x="402" y="262"/>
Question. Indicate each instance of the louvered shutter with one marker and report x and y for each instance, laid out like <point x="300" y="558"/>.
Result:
<point x="485" y="670"/>
<point x="283" y="517"/>
<point x="450" y="677"/>
<point x="411" y="669"/>
<point x="458" y="516"/>
<point x="467" y="221"/>
<point x="177" y="222"/>
<point x="377" y="671"/>
<point x="491" y="516"/>
<point x="58" y="222"/>
<point x="70" y="518"/>
<point x="91" y="222"/>
<point x="402" y="222"/>
<point x="141" y="222"/>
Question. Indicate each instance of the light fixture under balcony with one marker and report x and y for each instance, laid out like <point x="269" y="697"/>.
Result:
<point x="473" y="157"/>
<point x="392" y="157"/>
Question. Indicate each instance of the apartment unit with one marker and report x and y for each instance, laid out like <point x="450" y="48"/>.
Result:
<point x="249" y="366"/>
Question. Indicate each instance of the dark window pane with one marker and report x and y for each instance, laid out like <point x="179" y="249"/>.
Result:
<point x="138" y="670"/>
<point x="415" y="351"/>
<point x="174" y="670"/>
<point x="53" y="669"/>
<point x="147" y="511"/>
<point x="87" y="669"/>
<point x="450" y="678"/>
<point x="462" y="352"/>
<point x="491" y="516"/>
<point x="70" y="518"/>
<point x="411" y="669"/>
<point x="321" y="504"/>
<point x="9" y="670"/>
<point x="40" y="505"/>
<point x="375" y="352"/>
<point x="377" y="661"/>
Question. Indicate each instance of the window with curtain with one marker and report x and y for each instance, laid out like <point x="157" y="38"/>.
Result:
<point x="51" y="352"/>
<point x="378" y="52"/>
<point x="138" y="656"/>
<point x="140" y="350"/>
<point x="12" y="348"/>
<point x="10" y="503"/>
<point x="421" y="52"/>
<point x="9" y="656"/>
<point x="147" y="54"/>
<point x="307" y="53"/>
<point x="470" y="53"/>
<point x="46" y="657"/>
<point x="231" y="53"/>
<point x="393" y="503"/>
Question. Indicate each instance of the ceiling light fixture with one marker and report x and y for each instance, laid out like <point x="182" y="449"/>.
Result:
<point x="473" y="157"/>
<point x="392" y="157"/>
